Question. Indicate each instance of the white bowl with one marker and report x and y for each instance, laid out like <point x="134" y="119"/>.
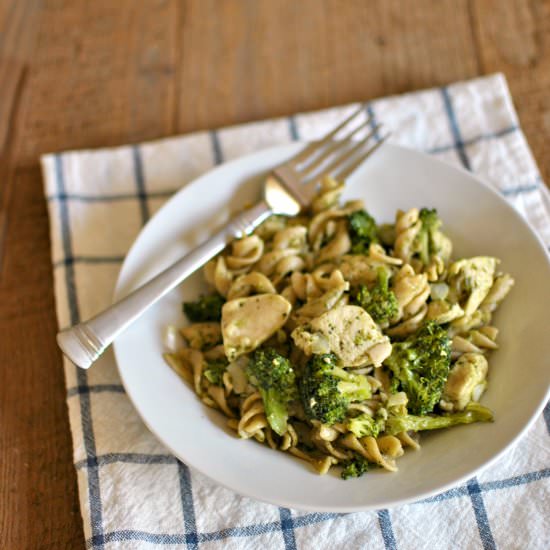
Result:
<point x="479" y="222"/>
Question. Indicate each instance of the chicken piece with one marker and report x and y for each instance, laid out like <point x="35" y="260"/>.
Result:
<point x="247" y="322"/>
<point x="347" y="331"/>
<point x="502" y="284"/>
<point x="442" y="245"/>
<point x="467" y="374"/>
<point x="471" y="280"/>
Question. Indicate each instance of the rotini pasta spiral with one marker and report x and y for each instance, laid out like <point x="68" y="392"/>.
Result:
<point x="420" y="243"/>
<point x="285" y="257"/>
<point x="253" y="421"/>
<point x="251" y="283"/>
<point x="411" y="291"/>
<point x="328" y="195"/>
<point x="381" y="451"/>
<point x="218" y="275"/>
<point x="245" y="253"/>
<point x="322" y="225"/>
<point x="407" y="227"/>
<point x="475" y="341"/>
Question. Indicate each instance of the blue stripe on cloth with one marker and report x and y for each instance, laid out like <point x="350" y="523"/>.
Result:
<point x="373" y="122"/>
<point x="89" y="260"/>
<point x="546" y="415"/>
<point x="94" y="493"/>
<point x="316" y="517"/>
<point x="129" y="458"/>
<point x="108" y="198"/>
<point x="139" y="176"/>
<point x="455" y="131"/>
<point x="96" y="388"/>
<point x="515" y="481"/>
<point x="522" y="479"/>
<point x="456" y="492"/>
<point x="232" y="532"/>
<point x="66" y="242"/>
<point x="481" y="515"/>
<point x="188" y="507"/>
<point x="287" y="527"/>
<point x="520" y="190"/>
<point x="293" y="128"/>
<point x="245" y="531"/>
<point x="127" y="535"/>
<point x="488" y="486"/>
<point x="386" y="528"/>
<point x="216" y="147"/>
<point x="476" y="139"/>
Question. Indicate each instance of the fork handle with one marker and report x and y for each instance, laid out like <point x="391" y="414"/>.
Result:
<point x="86" y="341"/>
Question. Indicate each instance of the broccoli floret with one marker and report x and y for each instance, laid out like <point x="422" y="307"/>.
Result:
<point x="275" y="379"/>
<point x="362" y="231"/>
<point x="327" y="389"/>
<point x="215" y="370"/>
<point x="429" y="218"/>
<point x="207" y="308"/>
<point x="379" y="302"/>
<point x="365" y="425"/>
<point x="420" y="366"/>
<point x="354" y="467"/>
<point x="474" y="412"/>
<point x="430" y="241"/>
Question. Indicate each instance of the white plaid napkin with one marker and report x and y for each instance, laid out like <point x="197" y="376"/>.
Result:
<point x="133" y="493"/>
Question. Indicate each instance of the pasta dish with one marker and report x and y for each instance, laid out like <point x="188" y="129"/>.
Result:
<point x="338" y="340"/>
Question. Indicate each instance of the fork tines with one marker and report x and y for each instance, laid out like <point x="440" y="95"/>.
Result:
<point x="337" y="154"/>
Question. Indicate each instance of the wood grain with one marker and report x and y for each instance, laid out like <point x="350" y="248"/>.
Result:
<point x="514" y="38"/>
<point x="38" y="497"/>
<point x="84" y="74"/>
<point x="281" y="57"/>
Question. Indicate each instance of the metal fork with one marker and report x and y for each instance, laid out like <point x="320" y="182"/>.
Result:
<point x="288" y="189"/>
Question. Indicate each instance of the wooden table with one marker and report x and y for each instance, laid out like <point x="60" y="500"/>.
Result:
<point x="85" y="74"/>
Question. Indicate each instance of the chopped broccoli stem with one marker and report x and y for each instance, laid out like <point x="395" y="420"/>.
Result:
<point x="420" y="366"/>
<point x="474" y="412"/>
<point x="430" y="223"/>
<point x="365" y="425"/>
<point x="430" y="240"/>
<point x="379" y="302"/>
<point x="206" y="308"/>
<point x="327" y="389"/>
<point x="354" y="467"/>
<point x="215" y="370"/>
<point x="362" y="230"/>
<point x="275" y="379"/>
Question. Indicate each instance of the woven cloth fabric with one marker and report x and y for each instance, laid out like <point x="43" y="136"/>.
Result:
<point x="133" y="493"/>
